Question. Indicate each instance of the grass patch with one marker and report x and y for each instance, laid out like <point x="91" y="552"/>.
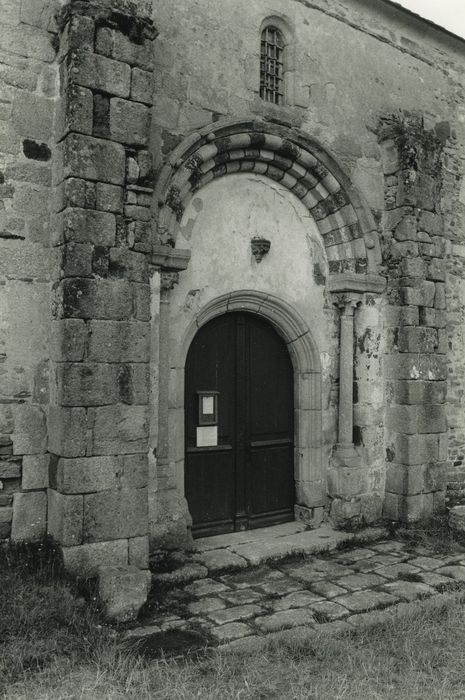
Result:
<point x="434" y="534"/>
<point x="54" y="645"/>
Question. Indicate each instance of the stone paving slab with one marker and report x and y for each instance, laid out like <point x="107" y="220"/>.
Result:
<point x="285" y="599"/>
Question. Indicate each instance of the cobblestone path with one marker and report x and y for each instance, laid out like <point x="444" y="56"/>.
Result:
<point x="342" y="588"/>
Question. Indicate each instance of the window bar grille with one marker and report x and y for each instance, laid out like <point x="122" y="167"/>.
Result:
<point x="271" y="66"/>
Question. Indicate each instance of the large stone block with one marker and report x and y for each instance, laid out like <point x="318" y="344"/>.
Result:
<point x="88" y="226"/>
<point x="88" y="474"/>
<point x="109" y="198"/>
<point x="10" y="469"/>
<point x="129" y="122"/>
<point x="75" y="111"/>
<point x="418" y="392"/>
<point x="415" y="508"/>
<point x="413" y="449"/>
<point x="401" y="316"/>
<point x="431" y="223"/>
<point x="402" y="419"/>
<point x="120" y="429"/>
<point x="65" y="515"/>
<point x="85" y="560"/>
<point x="421" y="339"/>
<point x="30" y="431"/>
<point x="86" y="384"/>
<point x="415" y="366"/>
<point x="432" y="317"/>
<point x="134" y="383"/>
<point x="457" y="518"/>
<point x="68" y="340"/>
<point x="74" y="259"/>
<point x="419" y="296"/>
<point x="117" y="45"/>
<point x="128" y="264"/>
<point x="78" y="35"/>
<point x="142" y="85"/>
<point x="100" y="73"/>
<point x="114" y="515"/>
<point x="29" y="516"/>
<point x="95" y="299"/>
<point x="33" y="115"/>
<point x="93" y="159"/>
<point x="123" y="591"/>
<point x="67" y="429"/>
<point x="415" y="479"/>
<point x="135" y="471"/>
<point x="119" y="341"/>
<point x="6" y="515"/>
<point x="346" y="482"/>
<point x="138" y="551"/>
<point x="432" y="419"/>
<point x="35" y="472"/>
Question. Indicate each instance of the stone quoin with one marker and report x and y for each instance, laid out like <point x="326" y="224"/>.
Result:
<point x="287" y="173"/>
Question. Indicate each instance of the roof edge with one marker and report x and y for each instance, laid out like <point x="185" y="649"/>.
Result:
<point x="425" y="20"/>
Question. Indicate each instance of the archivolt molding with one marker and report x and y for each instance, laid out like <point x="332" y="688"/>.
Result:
<point x="288" y="156"/>
<point x="282" y="316"/>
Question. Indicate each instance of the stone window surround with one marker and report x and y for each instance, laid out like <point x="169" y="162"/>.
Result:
<point x="285" y="27"/>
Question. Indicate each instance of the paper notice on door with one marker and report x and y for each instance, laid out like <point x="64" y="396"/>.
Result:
<point x="208" y="405"/>
<point x="207" y="436"/>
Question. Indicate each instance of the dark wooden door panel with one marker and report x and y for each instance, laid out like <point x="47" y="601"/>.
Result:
<point x="248" y="480"/>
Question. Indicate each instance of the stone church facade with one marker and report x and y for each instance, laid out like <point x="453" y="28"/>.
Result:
<point x="159" y="173"/>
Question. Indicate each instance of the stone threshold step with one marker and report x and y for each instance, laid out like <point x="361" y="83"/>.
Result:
<point x="239" y="550"/>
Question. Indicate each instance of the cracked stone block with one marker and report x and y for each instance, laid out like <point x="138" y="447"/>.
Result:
<point x="206" y="586"/>
<point x="280" y="586"/>
<point x="355" y="582"/>
<point x="299" y="599"/>
<point x="284" y="619"/>
<point x="397" y="570"/>
<point x="205" y="605"/>
<point x="455" y="572"/>
<point x="363" y="601"/>
<point x="233" y="630"/>
<point x="328" y="589"/>
<point x="123" y="591"/>
<point x="221" y="559"/>
<point x="328" y="611"/>
<point x="240" y="612"/>
<point x="409" y="590"/>
<point x="242" y="597"/>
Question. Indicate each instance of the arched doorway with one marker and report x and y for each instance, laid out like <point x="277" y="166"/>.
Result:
<point x="239" y="429"/>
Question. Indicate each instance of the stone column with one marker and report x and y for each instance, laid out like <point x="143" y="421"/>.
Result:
<point x="345" y="450"/>
<point x="98" y="417"/>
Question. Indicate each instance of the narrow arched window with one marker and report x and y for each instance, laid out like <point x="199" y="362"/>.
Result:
<point x="271" y="66"/>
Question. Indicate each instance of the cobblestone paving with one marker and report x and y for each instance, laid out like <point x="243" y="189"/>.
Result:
<point x="304" y="593"/>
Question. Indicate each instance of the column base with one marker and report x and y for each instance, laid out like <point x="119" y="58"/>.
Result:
<point x="345" y="455"/>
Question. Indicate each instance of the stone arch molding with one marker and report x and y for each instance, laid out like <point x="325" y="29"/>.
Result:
<point x="309" y="473"/>
<point x="285" y="155"/>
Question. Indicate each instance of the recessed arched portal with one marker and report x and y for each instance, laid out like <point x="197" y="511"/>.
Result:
<point x="239" y="432"/>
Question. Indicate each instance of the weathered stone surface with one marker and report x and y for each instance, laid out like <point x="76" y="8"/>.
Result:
<point x="408" y="590"/>
<point x="362" y="601"/>
<point x="327" y="589"/>
<point x="129" y="122"/>
<point x="117" y="45"/>
<point x="457" y="518"/>
<point x="455" y="572"/>
<point x="355" y="582"/>
<point x="284" y="620"/>
<point x="65" y="518"/>
<point x="87" y="384"/>
<point x="233" y="630"/>
<point x="87" y="474"/>
<point x="138" y="552"/>
<point x="128" y="264"/>
<point x="95" y="299"/>
<point x="142" y="86"/>
<point x="10" y="469"/>
<point x="242" y="597"/>
<point x="298" y="599"/>
<point x="68" y="340"/>
<point x="93" y="159"/>
<point x="109" y="197"/>
<point x="123" y="591"/>
<point x="114" y="515"/>
<point x="113" y="341"/>
<point x="29" y="516"/>
<point x="328" y="610"/>
<point x="75" y="112"/>
<point x="6" y="516"/>
<point x="100" y="73"/>
<point x="29" y="436"/>
<point x="221" y="559"/>
<point x="67" y="429"/>
<point x="205" y="605"/>
<point x="87" y="226"/>
<point x="415" y="479"/>
<point x="240" y="612"/>
<point x="120" y="429"/>
<point x="185" y="574"/>
<point x="206" y="586"/>
<point x="35" y="472"/>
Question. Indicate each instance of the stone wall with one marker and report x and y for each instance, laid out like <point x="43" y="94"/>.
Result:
<point x="98" y="413"/>
<point x="28" y="99"/>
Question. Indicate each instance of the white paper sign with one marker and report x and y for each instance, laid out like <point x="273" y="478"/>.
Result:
<point x="208" y="405"/>
<point x="207" y="436"/>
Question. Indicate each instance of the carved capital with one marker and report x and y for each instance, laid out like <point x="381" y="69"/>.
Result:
<point x="347" y="302"/>
<point x="168" y="280"/>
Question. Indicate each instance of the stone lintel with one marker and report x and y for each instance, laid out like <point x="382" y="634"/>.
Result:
<point x="170" y="259"/>
<point x="352" y="282"/>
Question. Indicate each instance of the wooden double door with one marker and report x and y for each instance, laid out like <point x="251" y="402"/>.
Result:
<point x="239" y="469"/>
